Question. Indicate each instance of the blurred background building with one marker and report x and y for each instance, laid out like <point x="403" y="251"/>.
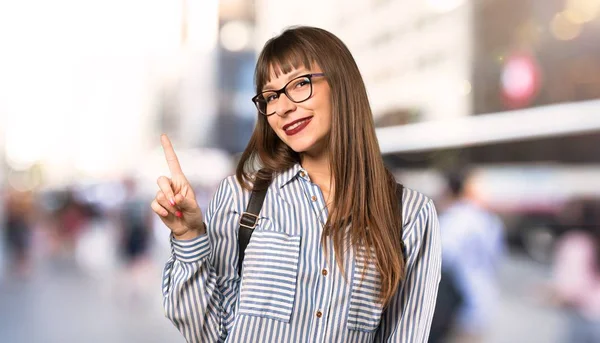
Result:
<point x="509" y="88"/>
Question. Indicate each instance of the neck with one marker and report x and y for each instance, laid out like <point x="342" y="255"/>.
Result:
<point x="319" y="170"/>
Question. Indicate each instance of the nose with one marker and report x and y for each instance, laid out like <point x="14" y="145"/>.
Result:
<point x="285" y="105"/>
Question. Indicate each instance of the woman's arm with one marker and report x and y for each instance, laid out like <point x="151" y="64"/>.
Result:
<point x="409" y="314"/>
<point x="200" y="280"/>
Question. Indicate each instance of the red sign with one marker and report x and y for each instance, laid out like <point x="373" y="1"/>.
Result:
<point x="520" y="81"/>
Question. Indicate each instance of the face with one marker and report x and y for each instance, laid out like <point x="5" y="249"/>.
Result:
<point x="303" y="126"/>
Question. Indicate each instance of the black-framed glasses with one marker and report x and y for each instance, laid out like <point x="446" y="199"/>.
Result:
<point x="297" y="90"/>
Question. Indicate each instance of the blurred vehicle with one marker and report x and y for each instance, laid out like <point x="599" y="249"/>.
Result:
<point x="532" y="200"/>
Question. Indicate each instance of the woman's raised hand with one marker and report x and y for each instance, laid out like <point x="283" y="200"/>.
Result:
<point x="175" y="202"/>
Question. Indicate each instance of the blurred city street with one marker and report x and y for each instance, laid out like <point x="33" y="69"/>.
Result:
<point x="64" y="305"/>
<point x="489" y="108"/>
<point x="522" y="317"/>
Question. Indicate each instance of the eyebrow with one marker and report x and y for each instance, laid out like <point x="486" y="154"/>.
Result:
<point x="290" y="76"/>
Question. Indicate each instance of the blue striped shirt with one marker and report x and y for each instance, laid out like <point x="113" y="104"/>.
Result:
<point x="290" y="290"/>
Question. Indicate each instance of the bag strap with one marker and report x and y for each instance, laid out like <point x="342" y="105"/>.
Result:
<point x="249" y="219"/>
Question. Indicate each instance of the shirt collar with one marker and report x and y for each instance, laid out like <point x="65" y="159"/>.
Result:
<point x="289" y="175"/>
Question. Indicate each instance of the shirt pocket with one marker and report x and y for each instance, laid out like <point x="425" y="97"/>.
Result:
<point x="365" y="308"/>
<point x="270" y="272"/>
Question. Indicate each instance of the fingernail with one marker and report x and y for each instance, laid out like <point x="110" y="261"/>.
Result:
<point x="178" y="214"/>
<point x="172" y="201"/>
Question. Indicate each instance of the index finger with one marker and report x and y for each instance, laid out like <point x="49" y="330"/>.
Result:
<point x="170" y="155"/>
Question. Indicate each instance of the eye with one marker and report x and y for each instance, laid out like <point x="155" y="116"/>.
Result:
<point x="270" y="97"/>
<point x="302" y="82"/>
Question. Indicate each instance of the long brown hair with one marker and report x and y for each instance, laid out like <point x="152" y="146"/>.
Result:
<point x="364" y="190"/>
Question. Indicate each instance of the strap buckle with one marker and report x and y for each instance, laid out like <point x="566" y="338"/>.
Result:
<point x="249" y="220"/>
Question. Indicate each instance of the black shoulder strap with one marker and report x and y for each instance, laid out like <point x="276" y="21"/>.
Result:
<point x="249" y="219"/>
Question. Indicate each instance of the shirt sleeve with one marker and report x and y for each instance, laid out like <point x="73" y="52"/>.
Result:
<point x="200" y="281"/>
<point x="410" y="312"/>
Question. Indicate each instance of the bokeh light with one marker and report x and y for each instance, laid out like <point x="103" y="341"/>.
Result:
<point x="563" y="28"/>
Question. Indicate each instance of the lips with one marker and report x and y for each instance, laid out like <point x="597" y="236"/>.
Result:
<point x="296" y="126"/>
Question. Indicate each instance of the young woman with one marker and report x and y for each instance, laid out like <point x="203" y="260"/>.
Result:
<point x="325" y="262"/>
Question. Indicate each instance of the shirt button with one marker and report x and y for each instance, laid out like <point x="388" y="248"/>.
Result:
<point x="324" y="272"/>
<point x="302" y="174"/>
<point x="319" y="314"/>
<point x="313" y="198"/>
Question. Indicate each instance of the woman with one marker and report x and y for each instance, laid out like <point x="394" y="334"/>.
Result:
<point x="306" y="276"/>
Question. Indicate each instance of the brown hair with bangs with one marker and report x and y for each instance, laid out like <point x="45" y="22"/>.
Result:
<point x="365" y="198"/>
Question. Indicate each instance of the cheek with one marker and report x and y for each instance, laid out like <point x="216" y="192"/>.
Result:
<point x="326" y="114"/>
<point x="272" y="122"/>
<point x="324" y="107"/>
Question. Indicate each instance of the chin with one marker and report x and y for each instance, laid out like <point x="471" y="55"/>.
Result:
<point x="305" y="146"/>
<point x="300" y="148"/>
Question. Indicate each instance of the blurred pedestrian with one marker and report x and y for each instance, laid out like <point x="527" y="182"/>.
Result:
<point x="18" y="222"/>
<point x="326" y="261"/>
<point x="576" y="270"/>
<point x="136" y="238"/>
<point x="136" y="225"/>
<point x="71" y="219"/>
<point x="472" y="245"/>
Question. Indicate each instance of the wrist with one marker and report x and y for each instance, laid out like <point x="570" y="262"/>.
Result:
<point x="192" y="233"/>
